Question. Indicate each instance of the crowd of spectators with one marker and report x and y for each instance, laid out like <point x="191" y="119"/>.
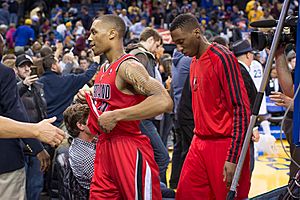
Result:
<point x="61" y="29"/>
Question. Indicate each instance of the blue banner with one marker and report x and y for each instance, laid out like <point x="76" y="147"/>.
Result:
<point x="296" y="130"/>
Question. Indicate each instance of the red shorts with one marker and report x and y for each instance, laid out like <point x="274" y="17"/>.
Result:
<point x="202" y="172"/>
<point x="125" y="169"/>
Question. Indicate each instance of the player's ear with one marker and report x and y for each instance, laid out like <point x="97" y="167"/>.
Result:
<point x="197" y="33"/>
<point x="113" y="34"/>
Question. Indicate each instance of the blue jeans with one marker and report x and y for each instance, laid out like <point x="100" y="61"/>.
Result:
<point x="166" y="126"/>
<point x="161" y="155"/>
<point x="34" y="178"/>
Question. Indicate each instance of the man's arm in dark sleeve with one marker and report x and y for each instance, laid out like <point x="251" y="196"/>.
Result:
<point x="14" y="108"/>
<point x="76" y="82"/>
<point x="22" y="88"/>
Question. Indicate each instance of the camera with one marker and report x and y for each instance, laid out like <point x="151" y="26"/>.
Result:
<point x="261" y="40"/>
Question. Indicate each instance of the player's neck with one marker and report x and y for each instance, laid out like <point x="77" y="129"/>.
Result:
<point x="202" y="48"/>
<point x="115" y="53"/>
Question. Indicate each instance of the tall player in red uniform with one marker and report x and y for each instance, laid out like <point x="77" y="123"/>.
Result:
<point x="221" y="113"/>
<point x="124" y="94"/>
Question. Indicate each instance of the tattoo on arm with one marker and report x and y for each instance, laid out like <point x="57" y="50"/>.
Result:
<point x="136" y="75"/>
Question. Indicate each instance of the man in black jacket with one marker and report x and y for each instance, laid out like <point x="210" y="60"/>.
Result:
<point x="32" y="96"/>
<point x="12" y="172"/>
<point x="244" y="53"/>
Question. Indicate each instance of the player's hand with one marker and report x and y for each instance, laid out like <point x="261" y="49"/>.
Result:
<point x="29" y="80"/>
<point x="44" y="159"/>
<point x="81" y="95"/>
<point x="255" y="135"/>
<point x="107" y="121"/>
<point x="48" y="133"/>
<point x="228" y="172"/>
<point x="281" y="99"/>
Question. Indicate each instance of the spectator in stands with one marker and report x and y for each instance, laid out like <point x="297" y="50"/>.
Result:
<point x="110" y="7"/>
<point x="185" y="7"/>
<point x="9" y="60"/>
<point x="171" y="16"/>
<point x="157" y="19"/>
<point x="10" y="36"/>
<point x="119" y="5"/>
<point x="255" y="14"/>
<point x="138" y="28"/>
<point x="23" y="36"/>
<point x="134" y="12"/>
<point x="86" y="19"/>
<point x="84" y="63"/>
<point x="273" y="85"/>
<point x="83" y="148"/>
<point x="125" y="18"/>
<point x="32" y="96"/>
<point x="291" y="58"/>
<point x="13" y="11"/>
<point x="78" y="29"/>
<point x="4" y="14"/>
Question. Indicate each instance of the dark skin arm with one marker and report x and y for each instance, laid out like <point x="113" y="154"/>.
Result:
<point x="284" y="74"/>
<point x="133" y="78"/>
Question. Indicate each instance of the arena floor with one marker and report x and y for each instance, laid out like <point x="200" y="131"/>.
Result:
<point x="270" y="171"/>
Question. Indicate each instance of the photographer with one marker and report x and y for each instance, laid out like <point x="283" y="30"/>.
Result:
<point x="31" y="93"/>
<point x="285" y="77"/>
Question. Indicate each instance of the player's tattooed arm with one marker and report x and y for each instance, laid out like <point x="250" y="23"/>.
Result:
<point x="135" y="75"/>
<point x="158" y="100"/>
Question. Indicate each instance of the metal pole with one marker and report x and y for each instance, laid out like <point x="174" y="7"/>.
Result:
<point x="231" y="194"/>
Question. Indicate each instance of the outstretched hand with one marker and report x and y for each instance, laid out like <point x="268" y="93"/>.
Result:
<point x="48" y="133"/>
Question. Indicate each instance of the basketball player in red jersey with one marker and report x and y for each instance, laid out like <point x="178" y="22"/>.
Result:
<point x="124" y="94"/>
<point x="221" y="112"/>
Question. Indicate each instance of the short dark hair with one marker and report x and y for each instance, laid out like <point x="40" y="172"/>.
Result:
<point x="48" y="61"/>
<point x="83" y="58"/>
<point x="150" y="32"/>
<point x="185" y="22"/>
<point x="73" y="114"/>
<point x="220" y="40"/>
<point x="116" y="22"/>
<point x="45" y="50"/>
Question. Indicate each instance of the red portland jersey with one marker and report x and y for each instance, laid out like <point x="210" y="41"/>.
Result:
<point x="108" y="97"/>
<point x="219" y="98"/>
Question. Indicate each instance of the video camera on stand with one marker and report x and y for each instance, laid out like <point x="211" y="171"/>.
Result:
<point x="261" y="40"/>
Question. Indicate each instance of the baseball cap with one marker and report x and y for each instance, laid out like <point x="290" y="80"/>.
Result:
<point x="69" y="24"/>
<point x="21" y="59"/>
